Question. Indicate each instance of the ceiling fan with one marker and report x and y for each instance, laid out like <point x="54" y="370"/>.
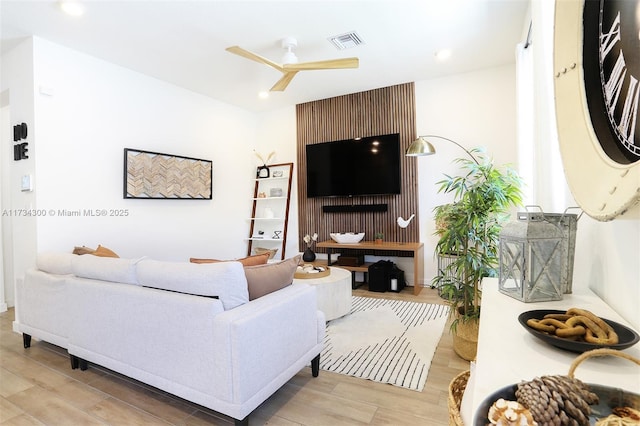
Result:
<point x="290" y="65"/>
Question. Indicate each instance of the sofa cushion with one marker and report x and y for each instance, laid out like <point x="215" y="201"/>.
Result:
<point x="106" y="269"/>
<point x="265" y="279"/>
<point x="55" y="262"/>
<point x="259" y="259"/>
<point x="225" y="280"/>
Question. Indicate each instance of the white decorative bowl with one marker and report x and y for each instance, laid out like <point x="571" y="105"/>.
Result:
<point x="347" y="237"/>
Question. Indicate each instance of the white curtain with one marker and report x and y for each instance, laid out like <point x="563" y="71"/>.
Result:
<point x="525" y="118"/>
<point x="539" y="152"/>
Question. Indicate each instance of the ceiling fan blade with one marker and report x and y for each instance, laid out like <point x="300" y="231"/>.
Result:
<point x="254" y="57"/>
<point x="323" y="65"/>
<point x="284" y="81"/>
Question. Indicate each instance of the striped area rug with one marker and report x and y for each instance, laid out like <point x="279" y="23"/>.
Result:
<point x="387" y="341"/>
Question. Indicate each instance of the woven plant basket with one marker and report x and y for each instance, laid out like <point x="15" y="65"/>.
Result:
<point x="465" y="339"/>
<point x="456" y="390"/>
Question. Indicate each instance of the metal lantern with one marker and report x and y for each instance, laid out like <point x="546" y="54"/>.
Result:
<point x="533" y="259"/>
<point x="568" y="224"/>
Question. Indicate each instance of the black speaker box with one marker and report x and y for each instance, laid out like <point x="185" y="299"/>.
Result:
<point x="379" y="275"/>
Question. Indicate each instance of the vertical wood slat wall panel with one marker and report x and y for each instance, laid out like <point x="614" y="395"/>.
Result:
<point x="375" y="112"/>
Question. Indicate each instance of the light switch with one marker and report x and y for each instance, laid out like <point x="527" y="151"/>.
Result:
<point x="26" y="183"/>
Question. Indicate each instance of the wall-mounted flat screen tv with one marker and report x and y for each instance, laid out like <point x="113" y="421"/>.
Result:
<point x="348" y="168"/>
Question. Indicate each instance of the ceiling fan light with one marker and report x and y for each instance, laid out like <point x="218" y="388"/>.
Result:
<point x="289" y="58"/>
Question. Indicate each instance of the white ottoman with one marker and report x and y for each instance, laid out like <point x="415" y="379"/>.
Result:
<point x="333" y="292"/>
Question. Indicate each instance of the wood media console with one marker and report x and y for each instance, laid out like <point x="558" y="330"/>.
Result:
<point x="415" y="250"/>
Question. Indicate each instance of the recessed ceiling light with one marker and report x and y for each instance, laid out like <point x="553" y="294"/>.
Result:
<point x="263" y="95"/>
<point x="72" y="8"/>
<point x="443" y="55"/>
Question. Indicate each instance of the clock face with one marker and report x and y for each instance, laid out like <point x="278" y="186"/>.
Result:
<point x="611" y="55"/>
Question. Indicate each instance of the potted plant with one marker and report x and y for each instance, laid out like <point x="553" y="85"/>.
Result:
<point x="469" y="230"/>
<point x="379" y="236"/>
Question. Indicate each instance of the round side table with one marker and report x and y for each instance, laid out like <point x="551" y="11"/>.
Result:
<point x="333" y="292"/>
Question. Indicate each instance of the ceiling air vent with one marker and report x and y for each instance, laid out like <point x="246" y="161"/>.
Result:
<point x="346" y="41"/>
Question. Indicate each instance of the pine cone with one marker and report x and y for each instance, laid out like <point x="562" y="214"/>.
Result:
<point x="557" y="400"/>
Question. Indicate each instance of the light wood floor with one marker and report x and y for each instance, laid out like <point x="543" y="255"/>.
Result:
<point x="37" y="386"/>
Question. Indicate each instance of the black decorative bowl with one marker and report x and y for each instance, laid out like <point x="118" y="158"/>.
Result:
<point x="626" y="336"/>
<point x="609" y="399"/>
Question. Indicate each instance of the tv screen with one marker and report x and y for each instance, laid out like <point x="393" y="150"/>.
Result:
<point x="365" y="166"/>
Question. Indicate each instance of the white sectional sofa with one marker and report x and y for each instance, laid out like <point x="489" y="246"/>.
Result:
<point x="188" y="329"/>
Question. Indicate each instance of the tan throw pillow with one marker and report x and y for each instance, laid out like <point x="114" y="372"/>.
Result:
<point x="259" y="259"/>
<point x="104" y="252"/>
<point x="83" y="250"/>
<point x="265" y="279"/>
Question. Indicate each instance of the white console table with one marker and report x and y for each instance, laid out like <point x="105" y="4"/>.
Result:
<point x="508" y="354"/>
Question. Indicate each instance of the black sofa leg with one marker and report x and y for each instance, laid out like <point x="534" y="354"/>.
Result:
<point x="243" y="422"/>
<point x="26" y="340"/>
<point x="315" y="366"/>
<point x="78" y="362"/>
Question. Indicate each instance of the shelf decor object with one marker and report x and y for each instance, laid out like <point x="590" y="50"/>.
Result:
<point x="263" y="172"/>
<point x="153" y="175"/>
<point x="308" y="255"/>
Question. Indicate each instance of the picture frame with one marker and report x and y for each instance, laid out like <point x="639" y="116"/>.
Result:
<point x="275" y="192"/>
<point x="156" y="175"/>
<point x="262" y="172"/>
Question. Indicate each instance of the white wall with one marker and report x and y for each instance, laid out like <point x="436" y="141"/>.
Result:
<point x="475" y="110"/>
<point x="18" y="230"/>
<point x="6" y="142"/>
<point x="96" y="110"/>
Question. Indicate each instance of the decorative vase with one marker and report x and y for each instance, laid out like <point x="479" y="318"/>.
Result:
<point x="308" y="255"/>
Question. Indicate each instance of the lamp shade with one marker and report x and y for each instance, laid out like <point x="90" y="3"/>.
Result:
<point x="420" y="147"/>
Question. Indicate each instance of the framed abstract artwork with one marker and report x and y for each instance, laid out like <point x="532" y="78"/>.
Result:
<point x="154" y="175"/>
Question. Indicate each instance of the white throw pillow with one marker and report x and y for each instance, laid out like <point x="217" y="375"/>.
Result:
<point x="112" y="269"/>
<point x="224" y="280"/>
<point x="55" y="262"/>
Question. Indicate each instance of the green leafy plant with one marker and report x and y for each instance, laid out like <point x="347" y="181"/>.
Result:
<point x="469" y="229"/>
<point x="379" y="236"/>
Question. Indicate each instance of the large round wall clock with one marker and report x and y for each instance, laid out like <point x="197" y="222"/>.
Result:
<point x="597" y="91"/>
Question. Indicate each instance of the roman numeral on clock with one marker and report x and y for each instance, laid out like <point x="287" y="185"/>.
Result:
<point x="624" y="122"/>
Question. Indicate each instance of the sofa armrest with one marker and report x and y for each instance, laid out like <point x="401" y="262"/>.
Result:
<point x="42" y="307"/>
<point x="268" y="338"/>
